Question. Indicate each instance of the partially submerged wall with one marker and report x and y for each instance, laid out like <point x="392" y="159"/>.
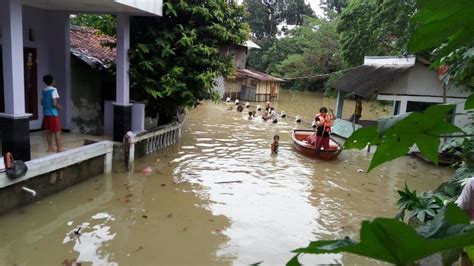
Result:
<point x="13" y="196"/>
<point x="55" y="172"/>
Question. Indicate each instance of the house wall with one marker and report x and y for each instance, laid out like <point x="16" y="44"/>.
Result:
<point x="232" y="88"/>
<point x="239" y="53"/>
<point x="87" y="102"/>
<point x="219" y="86"/>
<point x="49" y="30"/>
<point x="459" y="120"/>
<point x="421" y="81"/>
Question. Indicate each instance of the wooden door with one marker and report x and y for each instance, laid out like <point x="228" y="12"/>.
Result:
<point x="31" y="82"/>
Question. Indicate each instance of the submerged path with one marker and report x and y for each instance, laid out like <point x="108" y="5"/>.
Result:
<point x="217" y="197"/>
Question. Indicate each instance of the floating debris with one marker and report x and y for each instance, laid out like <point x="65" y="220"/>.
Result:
<point x="228" y="182"/>
<point x="360" y="170"/>
<point x="147" y="170"/>
<point x="77" y="232"/>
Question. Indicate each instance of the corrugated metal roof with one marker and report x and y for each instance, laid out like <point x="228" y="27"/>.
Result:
<point x="366" y="80"/>
<point x="241" y="73"/>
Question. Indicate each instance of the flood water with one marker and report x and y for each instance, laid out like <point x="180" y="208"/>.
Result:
<point x="217" y="197"/>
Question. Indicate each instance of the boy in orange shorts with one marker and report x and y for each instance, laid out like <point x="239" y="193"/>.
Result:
<point x="51" y="109"/>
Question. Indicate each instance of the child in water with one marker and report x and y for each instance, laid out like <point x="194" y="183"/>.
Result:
<point x="274" y="146"/>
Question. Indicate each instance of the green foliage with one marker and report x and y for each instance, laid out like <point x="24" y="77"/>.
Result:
<point x="394" y="136"/>
<point x="375" y="27"/>
<point x="442" y="22"/>
<point x="423" y="207"/>
<point x="174" y="59"/>
<point x="104" y="23"/>
<point x="333" y="5"/>
<point x="393" y="241"/>
<point x="461" y="67"/>
<point x="303" y="56"/>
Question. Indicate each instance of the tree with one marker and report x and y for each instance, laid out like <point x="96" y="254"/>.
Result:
<point x="317" y="53"/>
<point x="174" y="58"/>
<point x="104" y="23"/>
<point x="333" y="5"/>
<point x="375" y="27"/>
<point x="302" y="55"/>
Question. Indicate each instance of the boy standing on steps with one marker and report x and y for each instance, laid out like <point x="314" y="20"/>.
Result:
<point x="51" y="106"/>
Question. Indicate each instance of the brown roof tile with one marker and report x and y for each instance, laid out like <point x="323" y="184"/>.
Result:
<point x="90" y="45"/>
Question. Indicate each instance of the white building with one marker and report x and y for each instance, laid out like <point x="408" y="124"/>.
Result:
<point x="408" y="82"/>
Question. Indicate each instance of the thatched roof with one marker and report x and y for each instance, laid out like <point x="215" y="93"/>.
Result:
<point x="366" y="80"/>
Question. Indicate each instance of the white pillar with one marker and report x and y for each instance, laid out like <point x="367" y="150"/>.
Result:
<point x="340" y="103"/>
<point x="12" y="48"/>
<point x="403" y="107"/>
<point x="123" y="45"/>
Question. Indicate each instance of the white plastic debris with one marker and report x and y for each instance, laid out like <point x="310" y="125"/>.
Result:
<point x="360" y="170"/>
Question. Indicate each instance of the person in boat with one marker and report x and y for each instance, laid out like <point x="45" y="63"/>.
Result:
<point x="240" y="108"/>
<point x="275" y="144"/>
<point x="324" y="122"/>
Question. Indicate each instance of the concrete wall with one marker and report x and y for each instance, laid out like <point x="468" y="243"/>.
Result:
<point x="219" y="86"/>
<point x="13" y="196"/>
<point x="87" y="102"/>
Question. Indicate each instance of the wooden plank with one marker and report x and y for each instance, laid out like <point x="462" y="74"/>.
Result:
<point x="61" y="160"/>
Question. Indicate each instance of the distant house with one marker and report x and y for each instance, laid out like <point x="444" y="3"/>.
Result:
<point x="257" y="86"/>
<point x="248" y="85"/>
<point x="408" y="82"/>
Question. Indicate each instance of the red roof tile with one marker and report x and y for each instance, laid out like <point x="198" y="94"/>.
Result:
<point x="89" y="45"/>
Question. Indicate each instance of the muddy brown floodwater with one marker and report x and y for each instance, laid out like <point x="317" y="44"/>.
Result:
<point x="216" y="197"/>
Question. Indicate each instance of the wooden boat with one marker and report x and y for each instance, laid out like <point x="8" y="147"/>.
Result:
<point x="299" y="136"/>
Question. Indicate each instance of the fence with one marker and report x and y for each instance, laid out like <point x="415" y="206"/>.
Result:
<point x="154" y="139"/>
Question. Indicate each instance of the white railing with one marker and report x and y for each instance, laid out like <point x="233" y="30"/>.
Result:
<point x="155" y="139"/>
